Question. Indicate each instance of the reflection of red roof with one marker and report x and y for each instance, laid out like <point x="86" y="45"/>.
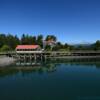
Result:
<point x="27" y="46"/>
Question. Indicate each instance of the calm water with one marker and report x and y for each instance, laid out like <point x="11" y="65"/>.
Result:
<point x="54" y="80"/>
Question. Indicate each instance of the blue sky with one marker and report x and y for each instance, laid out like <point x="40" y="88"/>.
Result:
<point x="72" y="21"/>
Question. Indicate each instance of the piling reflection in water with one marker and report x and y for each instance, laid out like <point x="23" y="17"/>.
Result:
<point x="48" y="66"/>
<point x="27" y="67"/>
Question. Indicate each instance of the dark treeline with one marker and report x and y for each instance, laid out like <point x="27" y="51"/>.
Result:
<point x="9" y="42"/>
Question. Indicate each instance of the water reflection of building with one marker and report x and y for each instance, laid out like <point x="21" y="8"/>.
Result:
<point x="39" y="67"/>
<point x="48" y="67"/>
<point x="24" y="70"/>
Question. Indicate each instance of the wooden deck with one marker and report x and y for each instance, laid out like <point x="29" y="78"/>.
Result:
<point x="51" y="54"/>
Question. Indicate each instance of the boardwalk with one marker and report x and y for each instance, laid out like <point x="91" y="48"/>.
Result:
<point x="51" y="54"/>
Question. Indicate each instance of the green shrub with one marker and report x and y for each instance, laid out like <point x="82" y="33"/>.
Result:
<point x="5" y="48"/>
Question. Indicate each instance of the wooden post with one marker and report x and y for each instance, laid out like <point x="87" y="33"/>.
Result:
<point x="24" y="58"/>
<point x="45" y="57"/>
<point x="19" y="57"/>
<point x="35" y="57"/>
<point x="30" y="59"/>
<point x="41" y="57"/>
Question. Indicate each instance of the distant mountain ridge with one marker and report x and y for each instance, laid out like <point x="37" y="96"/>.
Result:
<point x="82" y="44"/>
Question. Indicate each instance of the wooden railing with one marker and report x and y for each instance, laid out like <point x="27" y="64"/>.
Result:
<point x="7" y="52"/>
<point x="50" y="52"/>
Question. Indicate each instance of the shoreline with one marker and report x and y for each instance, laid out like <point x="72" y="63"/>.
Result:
<point x="5" y="61"/>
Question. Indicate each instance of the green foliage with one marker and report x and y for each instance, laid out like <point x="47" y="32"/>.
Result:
<point x="61" y="47"/>
<point x="9" y="42"/>
<point x="2" y="40"/>
<point x="51" y="37"/>
<point x="48" y="48"/>
<point x="12" y="41"/>
<point x="40" y="40"/>
<point x="5" y="48"/>
<point x="58" y="46"/>
<point x="97" y="45"/>
<point x="27" y="39"/>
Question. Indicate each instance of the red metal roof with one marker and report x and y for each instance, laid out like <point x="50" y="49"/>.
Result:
<point x="27" y="46"/>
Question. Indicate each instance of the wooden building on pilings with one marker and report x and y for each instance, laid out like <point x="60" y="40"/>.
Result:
<point x="29" y="52"/>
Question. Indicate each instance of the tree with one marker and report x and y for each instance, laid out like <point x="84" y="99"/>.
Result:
<point x="34" y="40"/>
<point x="23" y="39"/>
<point x="72" y="47"/>
<point x="66" y="46"/>
<point x="40" y="40"/>
<point x="51" y="37"/>
<point x="12" y="41"/>
<point x="5" y="48"/>
<point x="48" y="47"/>
<point x="2" y="40"/>
<point x="58" y="46"/>
<point x="97" y="45"/>
<point x="17" y="40"/>
<point x="28" y="39"/>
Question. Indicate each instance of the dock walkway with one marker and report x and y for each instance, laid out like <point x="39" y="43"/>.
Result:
<point x="51" y="54"/>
